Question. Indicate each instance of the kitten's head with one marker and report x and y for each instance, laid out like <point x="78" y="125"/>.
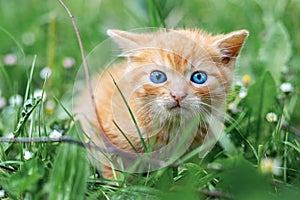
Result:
<point x="174" y="73"/>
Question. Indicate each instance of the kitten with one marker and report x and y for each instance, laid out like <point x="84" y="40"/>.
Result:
<point x="168" y="78"/>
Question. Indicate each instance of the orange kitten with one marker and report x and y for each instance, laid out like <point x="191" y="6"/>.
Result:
<point x="168" y="78"/>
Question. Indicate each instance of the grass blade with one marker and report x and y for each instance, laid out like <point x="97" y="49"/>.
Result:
<point x="131" y="114"/>
<point x="30" y="78"/>
<point x="133" y="147"/>
<point x="69" y="175"/>
<point x="64" y="108"/>
<point x="154" y="14"/>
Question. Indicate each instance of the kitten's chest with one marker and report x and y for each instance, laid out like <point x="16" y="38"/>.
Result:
<point x="177" y="133"/>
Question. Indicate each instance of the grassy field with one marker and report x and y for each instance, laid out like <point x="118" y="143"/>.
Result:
<point x="39" y="59"/>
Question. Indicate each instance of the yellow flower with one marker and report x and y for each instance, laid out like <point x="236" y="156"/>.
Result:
<point x="49" y="107"/>
<point x="86" y="139"/>
<point x="246" y="79"/>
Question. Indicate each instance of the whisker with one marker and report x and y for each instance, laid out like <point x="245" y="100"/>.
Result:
<point x="201" y="106"/>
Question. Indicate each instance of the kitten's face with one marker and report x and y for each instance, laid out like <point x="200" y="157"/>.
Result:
<point x="178" y="73"/>
<point x="167" y="85"/>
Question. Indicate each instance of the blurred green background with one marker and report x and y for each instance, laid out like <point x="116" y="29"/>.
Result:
<point x="43" y="28"/>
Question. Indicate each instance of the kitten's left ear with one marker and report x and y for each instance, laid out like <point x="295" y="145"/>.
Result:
<point x="128" y="41"/>
<point x="230" y="44"/>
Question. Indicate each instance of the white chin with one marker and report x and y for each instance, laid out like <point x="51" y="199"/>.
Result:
<point x="178" y="111"/>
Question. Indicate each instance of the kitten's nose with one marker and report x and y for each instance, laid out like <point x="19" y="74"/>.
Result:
<point x="178" y="96"/>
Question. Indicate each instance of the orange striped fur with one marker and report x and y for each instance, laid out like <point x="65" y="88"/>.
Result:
<point x="177" y="53"/>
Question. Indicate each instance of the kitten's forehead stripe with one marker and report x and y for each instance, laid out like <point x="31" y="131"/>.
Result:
<point x="170" y="60"/>
<point x="177" y="62"/>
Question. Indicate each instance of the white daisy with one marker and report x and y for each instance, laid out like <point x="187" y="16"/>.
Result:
<point x="286" y="87"/>
<point x="55" y="134"/>
<point x="268" y="165"/>
<point x="271" y="117"/>
<point x="10" y="59"/>
<point x="68" y="62"/>
<point x="45" y="73"/>
<point x="27" y="154"/>
<point x="16" y="100"/>
<point x="2" y="102"/>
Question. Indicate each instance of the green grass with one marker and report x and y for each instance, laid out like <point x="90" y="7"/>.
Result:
<point x="35" y="34"/>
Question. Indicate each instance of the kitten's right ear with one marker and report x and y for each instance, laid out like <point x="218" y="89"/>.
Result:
<point x="230" y="44"/>
<point x="126" y="40"/>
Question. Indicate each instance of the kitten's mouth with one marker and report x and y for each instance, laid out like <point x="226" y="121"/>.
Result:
<point x="175" y="107"/>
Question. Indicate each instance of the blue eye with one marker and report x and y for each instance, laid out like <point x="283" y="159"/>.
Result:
<point x="199" y="77"/>
<point x="158" y="77"/>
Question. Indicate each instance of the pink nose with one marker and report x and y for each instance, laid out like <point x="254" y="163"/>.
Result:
<point x="178" y="96"/>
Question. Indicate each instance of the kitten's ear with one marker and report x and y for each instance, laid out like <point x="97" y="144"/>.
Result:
<point x="126" y="40"/>
<point x="230" y="44"/>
